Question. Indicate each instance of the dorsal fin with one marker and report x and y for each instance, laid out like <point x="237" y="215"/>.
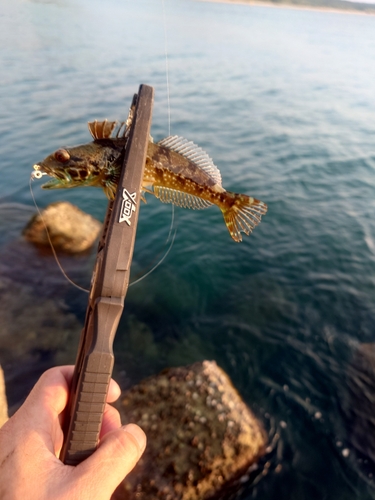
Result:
<point x="193" y="153"/>
<point x="101" y="130"/>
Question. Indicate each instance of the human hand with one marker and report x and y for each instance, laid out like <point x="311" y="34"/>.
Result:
<point x="31" y="440"/>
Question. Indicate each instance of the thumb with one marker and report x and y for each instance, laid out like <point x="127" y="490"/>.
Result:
<point x="117" y="454"/>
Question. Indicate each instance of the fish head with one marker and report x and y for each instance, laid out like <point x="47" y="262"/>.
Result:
<point x="72" y="167"/>
<point x="95" y="164"/>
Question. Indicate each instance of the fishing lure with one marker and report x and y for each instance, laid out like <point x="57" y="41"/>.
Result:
<point x="177" y="171"/>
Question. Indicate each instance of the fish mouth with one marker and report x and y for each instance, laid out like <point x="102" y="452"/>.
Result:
<point x="54" y="183"/>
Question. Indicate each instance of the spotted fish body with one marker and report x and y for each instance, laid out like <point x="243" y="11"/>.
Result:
<point x="176" y="171"/>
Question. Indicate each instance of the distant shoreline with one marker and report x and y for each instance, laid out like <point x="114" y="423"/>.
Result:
<point x="260" y="3"/>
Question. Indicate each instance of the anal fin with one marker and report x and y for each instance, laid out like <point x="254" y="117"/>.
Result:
<point x="179" y="198"/>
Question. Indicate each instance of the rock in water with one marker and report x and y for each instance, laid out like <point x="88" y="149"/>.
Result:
<point x="3" y="400"/>
<point x="201" y="437"/>
<point x="36" y="332"/>
<point x="70" y="229"/>
<point x="358" y="405"/>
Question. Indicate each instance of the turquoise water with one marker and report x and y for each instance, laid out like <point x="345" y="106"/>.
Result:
<point x="283" y="101"/>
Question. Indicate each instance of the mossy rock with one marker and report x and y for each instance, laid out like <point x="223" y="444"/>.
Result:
<point x="202" y="438"/>
<point x="65" y="226"/>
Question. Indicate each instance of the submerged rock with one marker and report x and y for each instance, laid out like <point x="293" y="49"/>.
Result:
<point x="202" y="437"/>
<point x="70" y="229"/>
<point x="359" y="407"/>
<point x="3" y="400"/>
<point x="35" y="334"/>
<point x="41" y="313"/>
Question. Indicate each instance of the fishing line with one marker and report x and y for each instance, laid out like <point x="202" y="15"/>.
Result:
<point x="170" y="237"/>
<point x="50" y="242"/>
<point x="60" y="266"/>
<point x="166" y="50"/>
<point x="166" y="66"/>
<point x="158" y="264"/>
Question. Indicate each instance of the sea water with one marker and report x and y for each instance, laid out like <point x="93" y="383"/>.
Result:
<point x="283" y="101"/>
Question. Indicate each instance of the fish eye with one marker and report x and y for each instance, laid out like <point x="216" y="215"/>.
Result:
<point x="62" y="155"/>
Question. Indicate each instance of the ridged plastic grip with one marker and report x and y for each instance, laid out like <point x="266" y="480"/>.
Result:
<point x="88" y="420"/>
<point x="89" y="396"/>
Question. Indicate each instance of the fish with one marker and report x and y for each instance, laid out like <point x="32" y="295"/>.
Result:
<point x="176" y="171"/>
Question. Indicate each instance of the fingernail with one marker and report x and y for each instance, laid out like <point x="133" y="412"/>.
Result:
<point x="137" y="434"/>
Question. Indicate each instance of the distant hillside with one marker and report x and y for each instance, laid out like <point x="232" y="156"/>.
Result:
<point x="324" y="4"/>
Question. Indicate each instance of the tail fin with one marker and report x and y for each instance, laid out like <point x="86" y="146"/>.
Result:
<point x="243" y="215"/>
